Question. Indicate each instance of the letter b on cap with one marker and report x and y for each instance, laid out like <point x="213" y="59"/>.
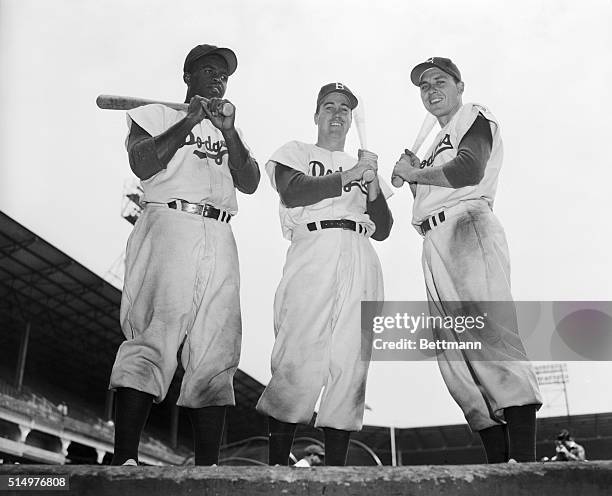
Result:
<point x="339" y="86"/>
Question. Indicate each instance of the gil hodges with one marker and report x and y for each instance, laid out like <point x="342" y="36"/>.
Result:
<point x="465" y="259"/>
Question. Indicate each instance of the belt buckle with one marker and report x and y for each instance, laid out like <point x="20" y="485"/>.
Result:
<point x="190" y="208"/>
<point x="346" y="225"/>
<point x="206" y="209"/>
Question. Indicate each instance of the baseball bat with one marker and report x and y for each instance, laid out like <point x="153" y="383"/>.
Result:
<point x="359" y="118"/>
<point x="428" y="124"/>
<point x="117" y="102"/>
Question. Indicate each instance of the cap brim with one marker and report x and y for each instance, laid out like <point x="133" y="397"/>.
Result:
<point x="417" y="72"/>
<point x="318" y="453"/>
<point x="353" y="102"/>
<point x="230" y="58"/>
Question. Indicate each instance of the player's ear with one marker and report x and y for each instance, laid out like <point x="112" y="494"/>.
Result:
<point x="460" y="87"/>
<point x="186" y="78"/>
<point x="316" y="118"/>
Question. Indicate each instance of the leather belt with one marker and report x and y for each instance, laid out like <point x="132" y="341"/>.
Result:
<point x="432" y="222"/>
<point x="349" y="225"/>
<point x="205" y="210"/>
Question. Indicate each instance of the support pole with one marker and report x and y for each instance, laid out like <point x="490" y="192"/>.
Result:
<point x="23" y="354"/>
<point x="174" y="423"/>
<point x="393" y="453"/>
<point x="108" y="405"/>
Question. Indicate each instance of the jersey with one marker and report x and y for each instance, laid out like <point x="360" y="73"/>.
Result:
<point x="316" y="161"/>
<point x="198" y="172"/>
<point x="429" y="199"/>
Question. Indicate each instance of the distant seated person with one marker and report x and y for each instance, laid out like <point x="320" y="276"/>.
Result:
<point x="313" y="457"/>
<point x="568" y="450"/>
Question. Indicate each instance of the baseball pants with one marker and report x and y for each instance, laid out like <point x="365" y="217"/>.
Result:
<point x="466" y="259"/>
<point x="317" y="323"/>
<point x="181" y="286"/>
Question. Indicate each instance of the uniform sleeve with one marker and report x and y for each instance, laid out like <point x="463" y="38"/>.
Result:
<point x="473" y="153"/>
<point x="297" y="189"/>
<point x="154" y="119"/>
<point x="293" y="155"/>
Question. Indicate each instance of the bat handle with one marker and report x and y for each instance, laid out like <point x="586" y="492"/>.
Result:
<point x="224" y="108"/>
<point x="227" y="109"/>
<point x="397" y="181"/>
<point x="368" y="176"/>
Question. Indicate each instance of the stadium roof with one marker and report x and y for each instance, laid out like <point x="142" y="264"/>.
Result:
<point x="75" y="332"/>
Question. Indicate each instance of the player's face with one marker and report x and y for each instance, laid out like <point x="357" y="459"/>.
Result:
<point x="334" y="117"/>
<point x="440" y="94"/>
<point x="208" y="77"/>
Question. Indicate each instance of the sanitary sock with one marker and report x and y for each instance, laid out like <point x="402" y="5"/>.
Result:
<point x="336" y="446"/>
<point x="207" y="424"/>
<point x="280" y="441"/>
<point x="521" y="422"/>
<point x="132" y="409"/>
<point x="495" y="442"/>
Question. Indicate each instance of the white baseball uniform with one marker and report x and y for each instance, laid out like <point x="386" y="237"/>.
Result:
<point x="465" y="258"/>
<point x="317" y="308"/>
<point x="182" y="280"/>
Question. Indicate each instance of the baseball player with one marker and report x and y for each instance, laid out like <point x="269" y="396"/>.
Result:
<point x="181" y="280"/>
<point x="465" y="259"/>
<point x="568" y="450"/>
<point x="328" y="214"/>
<point x="314" y="456"/>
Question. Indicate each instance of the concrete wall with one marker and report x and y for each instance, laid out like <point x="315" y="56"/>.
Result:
<point x="558" y="479"/>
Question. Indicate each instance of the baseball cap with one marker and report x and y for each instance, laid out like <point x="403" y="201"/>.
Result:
<point x="199" y="51"/>
<point x="446" y="65"/>
<point x="314" y="449"/>
<point x="337" y="88"/>
<point x="564" y="435"/>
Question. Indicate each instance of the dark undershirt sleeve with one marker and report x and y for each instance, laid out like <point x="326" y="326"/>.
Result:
<point x="467" y="168"/>
<point x="246" y="178"/>
<point x="296" y="189"/>
<point x="142" y="153"/>
<point x="379" y="212"/>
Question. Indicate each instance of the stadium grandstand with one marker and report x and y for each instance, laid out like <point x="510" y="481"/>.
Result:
<point x="59" y="334"/>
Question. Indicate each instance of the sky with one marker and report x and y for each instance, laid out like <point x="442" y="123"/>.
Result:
<point x="541" y="66"/>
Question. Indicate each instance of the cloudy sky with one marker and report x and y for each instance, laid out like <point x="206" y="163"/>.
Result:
<point x="542" y="66"/>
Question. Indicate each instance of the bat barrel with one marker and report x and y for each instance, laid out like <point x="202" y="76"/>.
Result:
<point x="117" y="102"/>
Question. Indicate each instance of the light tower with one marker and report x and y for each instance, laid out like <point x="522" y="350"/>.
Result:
<point x="131" y="208"/>
<point x="554" y="374"/>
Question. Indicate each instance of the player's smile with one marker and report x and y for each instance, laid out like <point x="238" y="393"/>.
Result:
<point x="333" y="118"/>
<point x="334" y="113"/>
<point x="440" y="93"/>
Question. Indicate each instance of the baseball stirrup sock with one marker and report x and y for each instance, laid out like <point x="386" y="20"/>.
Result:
<point x="495" y="442"/>
<point x="131" y="411"/>
<point x="280" y="441"/>
<point x="207" y="424"/>
<point x="521" y="422"/>
<point x="336" y="446"/>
